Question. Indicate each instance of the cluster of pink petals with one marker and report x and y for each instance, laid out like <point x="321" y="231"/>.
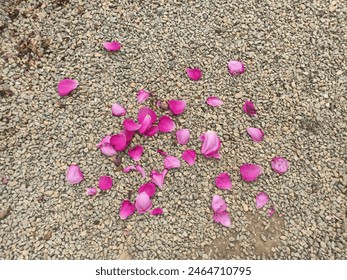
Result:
<point x="74" y="175"/>
<point x="223" y="181"/>
<point x="219" y="208"/>
<point x="250" y="172"/>
<point x="280" y="165"/>
<point x="177" y="107"/>
<point x="261" y="199"/>
<point x="66" y="86"/>
<point x="113" y="46"/>
<point x="142" y="95"/>
<point x="236" y="67"/>
<point x="214" y="101"/>
<point x="194" y="73"/>
<point x="118" y="110"/>
<point x="256" y="134"/>
<point x="211" y="145"/>
<point x="105" y="183"/>
<point x="189" y="156"/>
<point x="182" y="136"/>
<point x="249" y="109"/>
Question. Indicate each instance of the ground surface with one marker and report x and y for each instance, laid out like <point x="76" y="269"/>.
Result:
<point x="295" y="54"/>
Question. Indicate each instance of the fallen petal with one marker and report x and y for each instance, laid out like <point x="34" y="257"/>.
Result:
<point x="118" y="110"/>
<point x="256" y="134"/>
<point x="91" y="191"/>
<point x="142" y="95"/>
<point x="151" y="131"/>
<point x="143" y="112"/>
<point x="136" y="152"/>
<point x="177" y="107"/>
<point x="74" y="174"/>
<point x="261" y="199"/>
<point x="113" y="46"/>
<point x="250" y="172"/>
<point x="235" y="67"/>
<point x="189" y="156"/>
<point x="118" y="141"/>
<point x="108" y="150"/>
<point x="146" y="124"/>
<point x="131" y="125"/>
<point x="222" y="218"/>
<point x="143" y="203"/>
<point x="140" y="169"/>
<point x="214" y="101"/>
<point x="129" y="168"/>
<point x="171" y="162"/>
<point x="218" y="204"/>
<point x="126" y="209"/>
<point x="182" y="136"/>
<point x="249" y="108"/>
<point x="105" y="183"/>
<point x="105" y="140"/>
<point x="223" y="181"/>
<point x="211" y="144"/>
<point x="280" y="165"/>
<point x="194" y="73"/>
<point x="66" y="86"/>
<point x="156" y="211"/>
<point x="166" y="124"/>
<point x="128" y="135"/>
<point x="149" y="188"/>
<point x="158" y="178"/>
<point x="271" y="211"/>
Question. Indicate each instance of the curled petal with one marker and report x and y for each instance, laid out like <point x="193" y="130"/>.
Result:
<point x="105" y="183"/>
<point x="143" y="112"/>
<point x="222" y="218"/>
<point x="250" y="172"/>
<point x="113" y="46"/>
<point x="249" y="108"/>
<point x="151" y="131"/>
<point x="177" y="107"/>
<point x="128" y="135"/>
<point x="118" y="110"/>
<point x="194" y="73"/>
<point x="142" y="95"/>
<point x="261" y="199"/>
<point x="129" y="168"/>
<point x="256" y="134"/>
<point x="149" y="188"/>
<point x="271" y="211"/>
<point x="158" y="178"/>
<point x="236" y="67"/>
<point x="223" y="181"/>
<point x="146" y="124"/>
<point x="218" y="204"/>
<point x="108" y="150"/>
<point x="182" y="136"/>
<point x="156" y="211"/>
<point x="66" y="86"/>
<point x="166" y="124"/>
<point x="214" y="101"/>
<point x="74" y="175"/>
<point x="91" y="191"/>
<point x="136" y="152"/>
<point x="171" y="162"/>
<point x="189" y="156"/>
<point x="130" y="125"/>
<point x="143" y="203"/>
<point x="126" y="209"/>
<point x="280" y="165"/>
<point x="105" y="140"/>
<point x="211" y="145"/>
<point x="140" y="169"/>
<point x="118" y="141"/>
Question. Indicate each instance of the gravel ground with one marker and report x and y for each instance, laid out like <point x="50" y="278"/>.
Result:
<point x="295" y="55"/>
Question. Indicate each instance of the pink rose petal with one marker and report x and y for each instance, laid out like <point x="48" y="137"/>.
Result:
<point x="182" y="136"/>
<point x="166" y="124"/>
<point x="66" y="86"/>
<point x="235" y="67"/>
<point x="129" y="168"/>
<point x="105" y="183"/>
<point x="171" y="162"/>
<point x="108" y="150"/>
<point x="218" y="204"/>
<point x="256" y="134"/>
<point x="143" y="203"/>
<point x="113" y="46"/>
<point x="223" y="181"/>
<point x="280" y="165"/>
<point x="151" y="131"/>
<point x="222" y="218"/>
<point x="140" y="169"/>
<point x="271" y="211"/>
<point x="158" y="178"/>
<point x="142" y="95"/>
<point x="149" y="188"/>
<point x="143" y="112"/>
<point x="126" y="209"/>
<point x="146" y="124"/>
<point x="105" y="140"/>
<point x="189" y="156"/>
<point x="118" y="110"/>
<point x="250" y="172"/>
<point x="74" y="175"/>
<point x="131" y="125"/>
<point x="118" y="141"/>
<point x="128" y="135"/>
<point x="211" y="145"/>
<point x="136" y="152"/>
<point x="249" y="108"/>
<point x="261" y="199"/>
<point x="194" y="73"/>
<point x="156" y="211"/>
<point x="91" y="191"/>
<point x="177" y="107"/>
<point x="214" y="101"/>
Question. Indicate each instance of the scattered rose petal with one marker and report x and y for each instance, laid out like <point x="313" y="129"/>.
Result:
<point x="256" y="134"/>
<point x="136" y="152"/>
<point x="143" y="112"/>
<point x="182" y="136"/>
<point x="151" y="131"/>
<point x="271" y="211"/>
<point x="129" y="168"/>
<point x="214" y="101"/>
<point x="142" y="95"/>
<point x="156" y="211"/>
<point x="66" y="86"/>
<point x="218" y="204"/>
<point x="166" y="124"/>
<point x="105" y="183"/>
<point x="131" y="125"/>
<point x="113" y="46"/>
<point x="280" y="165"/>
<point x="177" y="107"/>
<point x="149" y="188"/>
<point x="140" y="169"/>
<point x="108" y="150"/>
<point x="118" y="110"/>
<point x="189" y="156"/>
<point x="261" y="199"/>
<point x="105" y="140"/>
<point x="126" y="209"/>
<point x="161" y="152"/>
<point x="74" y="175"/>
<point x="223" y="181"/>
<point x="128" y="135"/>
<point x="171" y="162"/>
<point x="158" y="178"/>
<point x="143" y="203"/>
<point x="194" y="73"/>
<point x="235" y="67"/>
<point x="211" y="145"/>
<point x="249" y="108"/>
<point x="250" y="172"/>
<point x="146" y="124"/>
<point x="118" y="141"/>
<point x="91" y="191"/>
<point x="222" y="218"/>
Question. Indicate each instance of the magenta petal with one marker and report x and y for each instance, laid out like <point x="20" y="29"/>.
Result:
<point x="214" y="101"/>
<point x="156" y="211"/>
<point x="91" y="191"/>
<point x="143" y="112"/>
<point x="143" y="203"/>
<point x="158" y="178"/>
<point x="142" y="95"/>
<point x="218" y="204"/>
<point x="136" y="152"/>
<point x="118" y="141"/>
<point x="126" y="209"/>
<point x="250" y="172"/>
<point x="189" y="156"/>
<point x="149" y="188"/>
<point x="66" y="86"/>
<point x="166" y="124"/>
<point x="249" y="108"/>
<point x="128" y="135"/>
<point x="140" y="169"/>
<point x="236" y="68"/>
<point x="151" y="131"/>
<point x="113" y="46"/>
<point x="261" y="199"/>
<point x="130" y="125"/>
<point x="118" y="110"/>
<point x="129" y="168"/>
<point x="194" y="73"/>
<point x="271" y="211"/>
<point x="171" y="162"/>
<point x="105" y="140"/>
<point x="74" y="175"/>
<point x="211" y="145"/>
<point x="256" y="134"/>
<point x="105" y="183"/>
<point x="223" y="181"/>
<point x="146" y="124"/>
<point x="177" y="107"/>
<point x="108" y="150"/>
<point x="222" y="218"/>
<point x="280" y="165"/>
<point x="182" y="136"/>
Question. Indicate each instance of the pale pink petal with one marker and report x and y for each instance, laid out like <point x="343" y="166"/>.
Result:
<point x="131" y="125"/>
<point x="214" y="101"/>
<point x="129" y="168"/>
<point x="249" y="108"/>
<point x="161" y="152"/>
<point x="280" y="165"/>
<point x="189" y="156"/>
<point x="151" y="131"/>
<point x="146" y="124"/>
<point x="223" y="181"/>
<point x="113" y="46"/>
<point x="256" y="134"/>
<point x="146" y="111"/>
<point x="182" y="136"/>
<point x="158" y="178"/>
<point x="156" y="211"/>
<point x="66" y="86"/>
<point x="261" y="199"/>
<point x="222" y="218"/>
<point x="143" y="203"/>
<point x="118" y="110"/>
<point x="177" y="107"/>
<point x="271" y="211"/>
<point x="136" y="152"/>
<point x="105" y="140"/>
<point x="126" y="209"/>
<point x="211" y="144"/>
<point x="108" y="150"/>
<point x="142" y="95"/>
<point x="140" y="169"/>
<point x="218" y="204"/>
<point x="194" y="73"/>
<point x="128" y="135"/>
<point x="105" y="183"/>
<point x="236" y="67"/>
<point x="171" y="162"/>
<point x="91" y="191"/>
<point x="149" y="188"/>
<point x="74" y="174"/>
<point x="250" y="172"/>
<point x="118" y="141"/>
<point x="166" y="124"/>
